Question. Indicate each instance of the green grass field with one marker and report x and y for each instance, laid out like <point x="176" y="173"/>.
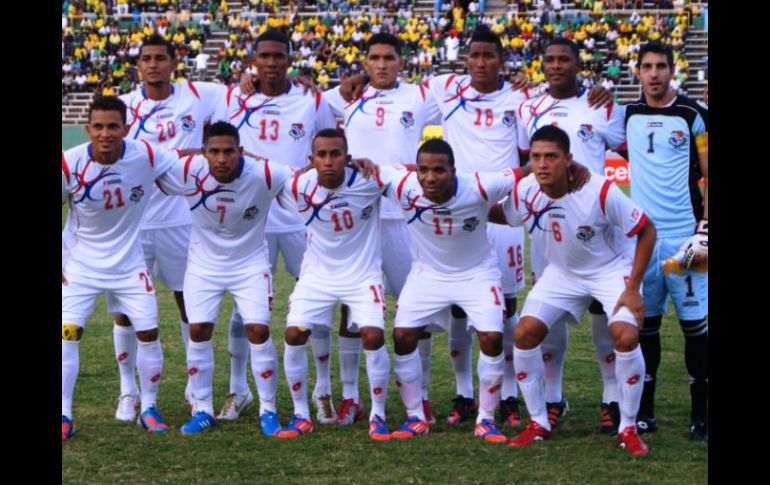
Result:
<point x="107" y="451"/>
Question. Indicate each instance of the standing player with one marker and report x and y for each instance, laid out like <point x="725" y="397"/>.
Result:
<point x="387" y="110"/>
<point x="278" y="122"/>
<point x="342" y="264"/>
<point x="105" y="183"/>
<point x="229" y="197"/>
<point x="668" y="153"/>
<point x="589" y="258"/>
<point x="590" y="132"/>
<point x="454" y="265"/>
<point x="168" y="115"/>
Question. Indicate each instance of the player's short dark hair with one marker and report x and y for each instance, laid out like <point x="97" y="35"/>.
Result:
<point x="275" y="36"/>
<point x="657" y="47"/>
<point x="331" y="133"/>
<point x="221" y="128"/>
<point x="157" y="39"/>
<point x="385" y="38"/>
<point x="554" y="134"/>
<point x="483" y="34"/>
<point x="437" y="146"/>
<point x="562" y="41"/>
<point x="108" y="103"/>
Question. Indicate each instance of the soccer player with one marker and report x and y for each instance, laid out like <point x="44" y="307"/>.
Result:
<point x="454" y="265"/>
<point x="106" y="183"/>
<point x="168" y="115"/>
<point x="278" y="122"/>
<point x="342" y="264"/>
<point x="229" y="196"/>
<point x="668" y="154"/>
<point x="590" y="132"/>
<point x="586" y="238"/>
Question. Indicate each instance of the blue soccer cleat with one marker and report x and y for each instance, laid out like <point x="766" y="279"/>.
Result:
<point x="270" y="424"/>
<point x="411" y="427"/>
<point x="297" y="426"/>
<point x="152" y="421"/>
<point x="488" y="430"/>
<point x="67" y="428"/>
<point x="201" y="421"/>
<point x="378" y="429"/>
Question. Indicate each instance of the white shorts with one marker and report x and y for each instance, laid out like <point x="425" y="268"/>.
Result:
<point x="574" y="295"/>
<point x="252" y="292"/>
<point x="133" y="292"/>
<point x="315" y="297"/>
<point x="425" y="301"/>
<point x="508" y="245"/>
<point x="167" y="248"/>
<point x="396" y="254"/>
<point x="292" y="245"/>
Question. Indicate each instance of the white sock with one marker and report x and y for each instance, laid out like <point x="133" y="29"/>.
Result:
<point x="295" y="367"/>
<point x="490" y="370"/>
<point x="378" y="371"/>
<point x="149" y="363"/>
<point x="321" y="343"/>
<point x="605" y="355"/>
<point x="70" y="365"/>
<point x="264" y="366"/>
<point x="124" y="339"/>
<point x="629" y="367"/>
<point x="425" y="347"/>
<point x="238" y="345"/>
<point x="554" y="348"/>
<point x="200" y="368"/>
<point x="408" y="379"/>
<point x="350" y="360"/>
<point x="460" y="345"/>
<point x="185" y="330"/>
<point x="509" y="388"/>
<point x="529" y="364"/>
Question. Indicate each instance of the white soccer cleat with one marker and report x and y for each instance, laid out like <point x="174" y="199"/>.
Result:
<point x="128" y="407"/>
<point x="235" y="404"/>
<point x="325" y="407"/>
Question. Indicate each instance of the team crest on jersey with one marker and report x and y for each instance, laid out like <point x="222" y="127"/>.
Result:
<point x="407" y="119"/>
<point x="136" y="193"/>
<point x="585" y="233"/>
<point x="188" y="123"/>
<point x="470" y="224"/>
<point x="677" y="138"/>
<point x="366" y="213"/>
<point x="586" y="132"/>
<point x="297" y="130"/>
<point x="251" y="213"/>
<point x="509" y="118"/>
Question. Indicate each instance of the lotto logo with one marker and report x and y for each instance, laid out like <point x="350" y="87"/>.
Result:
<point x="454" y="353"/>
<point x="509" y="358"/>
<point x="377" y="391"/>
<point x="633" y="380"/>
<point x="610" y="358"/>
<point x="266" y="374"/>
<point x="494" y="389"/>
<point x="324" y="358"/>
<point x="192" y="371"/>
<point x="547" y="356"/>
<point x="296" y="387"/>
<point x="521" y="376"/>
<point x="122" y="356"/>
<point x="155" y="378"/>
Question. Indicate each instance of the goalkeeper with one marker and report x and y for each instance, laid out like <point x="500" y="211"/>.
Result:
<point x="668" y="154"/>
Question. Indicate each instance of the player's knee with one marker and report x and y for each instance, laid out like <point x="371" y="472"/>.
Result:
<point x="71" y="332"/>
<point x="625" y="337"/>
<point x="694" y="328"/>
<point x="148" y="335"/>
<point x="201" y="332"/>
<point x="296" y="335"/>
<point x="457" y="312"/>
<point x="405" y="340"/>
<point x="372" y="338"/>
<point x="651" y="326"/>
<point x="491" y="343"/>
<point x="529" y="333"/>
<point x="122" y="320"/>
<point x="257" y="333"/>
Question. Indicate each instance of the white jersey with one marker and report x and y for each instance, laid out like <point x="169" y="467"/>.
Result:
<point x="107" y="203"/>
<point x="582" y="233"/>
<point x="279" y="128"/>
<point x="481" y="128"/>
<point x="591" y="131"/>
<point x="175" y="122"/>
<point x="451" y="239"/>
<point x="343" y="228"/>
<point x="228" y="233"/>
<point x="385" y="125"/>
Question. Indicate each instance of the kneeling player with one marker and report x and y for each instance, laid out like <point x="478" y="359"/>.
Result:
<point x="229" y="196"/>
<point x="582" y="235"/>
<point x="342" y="264"/>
